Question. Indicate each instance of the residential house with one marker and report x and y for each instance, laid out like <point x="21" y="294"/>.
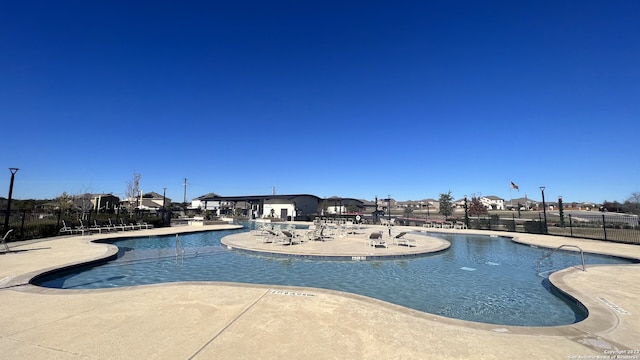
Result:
<point x="337" y="206"/>
<point x="492" y="202"/>
<point x="153" y="202"/>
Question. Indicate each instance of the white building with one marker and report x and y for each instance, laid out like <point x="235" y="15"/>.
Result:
<point x="492" y="202"/>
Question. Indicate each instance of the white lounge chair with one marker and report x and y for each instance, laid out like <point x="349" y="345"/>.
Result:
<point x="460" y="225"/>
<point x="375" y="239"/>
<point x="287" y="238"/>
<point x="68" y="228"/>
<point x="143" y="224"/>
<point x="114" y="225"/>
<point x="401" y="240"/>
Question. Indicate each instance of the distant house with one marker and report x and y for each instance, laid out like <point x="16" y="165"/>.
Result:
<point x="199" y="203"/>
<point x="524" y="203"/>
<point x="91" y="202"/>
<point x="337" y="206"/>
<point x="492" y="202"/>
<point x="152" y="201"/>
<point x="105" y="202"/>
<point x="424" y="205"/>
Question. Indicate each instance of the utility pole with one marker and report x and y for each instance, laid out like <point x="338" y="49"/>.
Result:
<point x="184" y="202"/>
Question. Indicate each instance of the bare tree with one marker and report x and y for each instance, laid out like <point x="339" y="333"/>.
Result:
<point x="632" y="204"/>
<point x="84" y="203"/>
<point x="64" y="202"/>
<point x="634" y="198"/>
<point x="133" y="190"/>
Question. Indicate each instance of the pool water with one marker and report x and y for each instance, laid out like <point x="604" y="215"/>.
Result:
<point x="479" y="278"/>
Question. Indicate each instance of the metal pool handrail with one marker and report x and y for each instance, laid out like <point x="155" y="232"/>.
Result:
<point x="558" y="248"/>
<point x="179" y="249"/>
<point x="4" y="242"/>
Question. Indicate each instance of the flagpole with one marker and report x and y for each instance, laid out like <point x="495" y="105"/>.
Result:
<point x="512" y="186"/>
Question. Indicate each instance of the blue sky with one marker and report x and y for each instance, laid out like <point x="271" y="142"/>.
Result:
<point x="348" y="98"/>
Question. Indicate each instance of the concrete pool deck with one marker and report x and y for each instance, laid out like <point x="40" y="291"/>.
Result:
<point x="202" y="320"/>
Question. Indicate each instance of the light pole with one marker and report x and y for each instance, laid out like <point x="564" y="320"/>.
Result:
<point x="184" y="200"/>
<point x="544" y="210"/>
<point x="6" y="217"/>
<point x="466" y="212"/>
<point x="375" y="214"/>
<point x="389" y="206"/>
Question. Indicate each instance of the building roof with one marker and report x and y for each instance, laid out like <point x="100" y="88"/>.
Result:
<point x="251" y="198"/>
<point x="493" y="197"/>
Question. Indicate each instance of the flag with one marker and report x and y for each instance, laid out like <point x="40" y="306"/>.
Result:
<point x="514" y="186"/>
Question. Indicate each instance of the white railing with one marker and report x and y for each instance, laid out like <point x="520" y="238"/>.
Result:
<point x="548" y="255"/>
<point x="179" y="250"/>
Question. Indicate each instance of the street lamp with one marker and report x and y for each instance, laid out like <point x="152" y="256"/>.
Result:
<point x="6" y="217"/>
<point x="544" y="210"/>
<point x="389" y="206"/>
<point x="466" y="212"/>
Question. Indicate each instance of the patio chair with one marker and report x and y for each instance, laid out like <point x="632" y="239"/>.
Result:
<point x="68" y="228"/>
<point x="264" y="234"/>
<point x="98" y="225"/>
<point x="271" y="236"/>
<point x="143" y="224"/>
<point x="288" y="237"/>
<point x="312" y="235"/>
<point x="126" y="226"/>
<point x="375" y="239"/>
<point x="401" y="240"/>
<point x="115" y="226"/>
<point x="316" y="234"/>
<point x="460" y="225"/>
<point x="84" y="227"/>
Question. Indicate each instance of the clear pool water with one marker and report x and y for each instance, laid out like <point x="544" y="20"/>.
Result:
<point x="479" y="278"/>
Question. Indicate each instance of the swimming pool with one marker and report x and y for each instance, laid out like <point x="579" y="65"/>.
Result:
<point x="479" y="278"/>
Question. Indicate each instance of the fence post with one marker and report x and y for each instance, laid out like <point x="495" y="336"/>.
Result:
<point x="570" y="226"/>
<point x="604" y="227"/>
<point x="540" y="223"/>
<point x="24" y="215"/>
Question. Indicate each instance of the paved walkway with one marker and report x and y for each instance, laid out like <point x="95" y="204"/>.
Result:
<point x="234" y="321"/>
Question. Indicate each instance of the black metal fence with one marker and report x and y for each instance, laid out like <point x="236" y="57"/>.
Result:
<point x="615" y="227"/>
<point x="28" y="225"/>
<point x="621" y="228"/>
